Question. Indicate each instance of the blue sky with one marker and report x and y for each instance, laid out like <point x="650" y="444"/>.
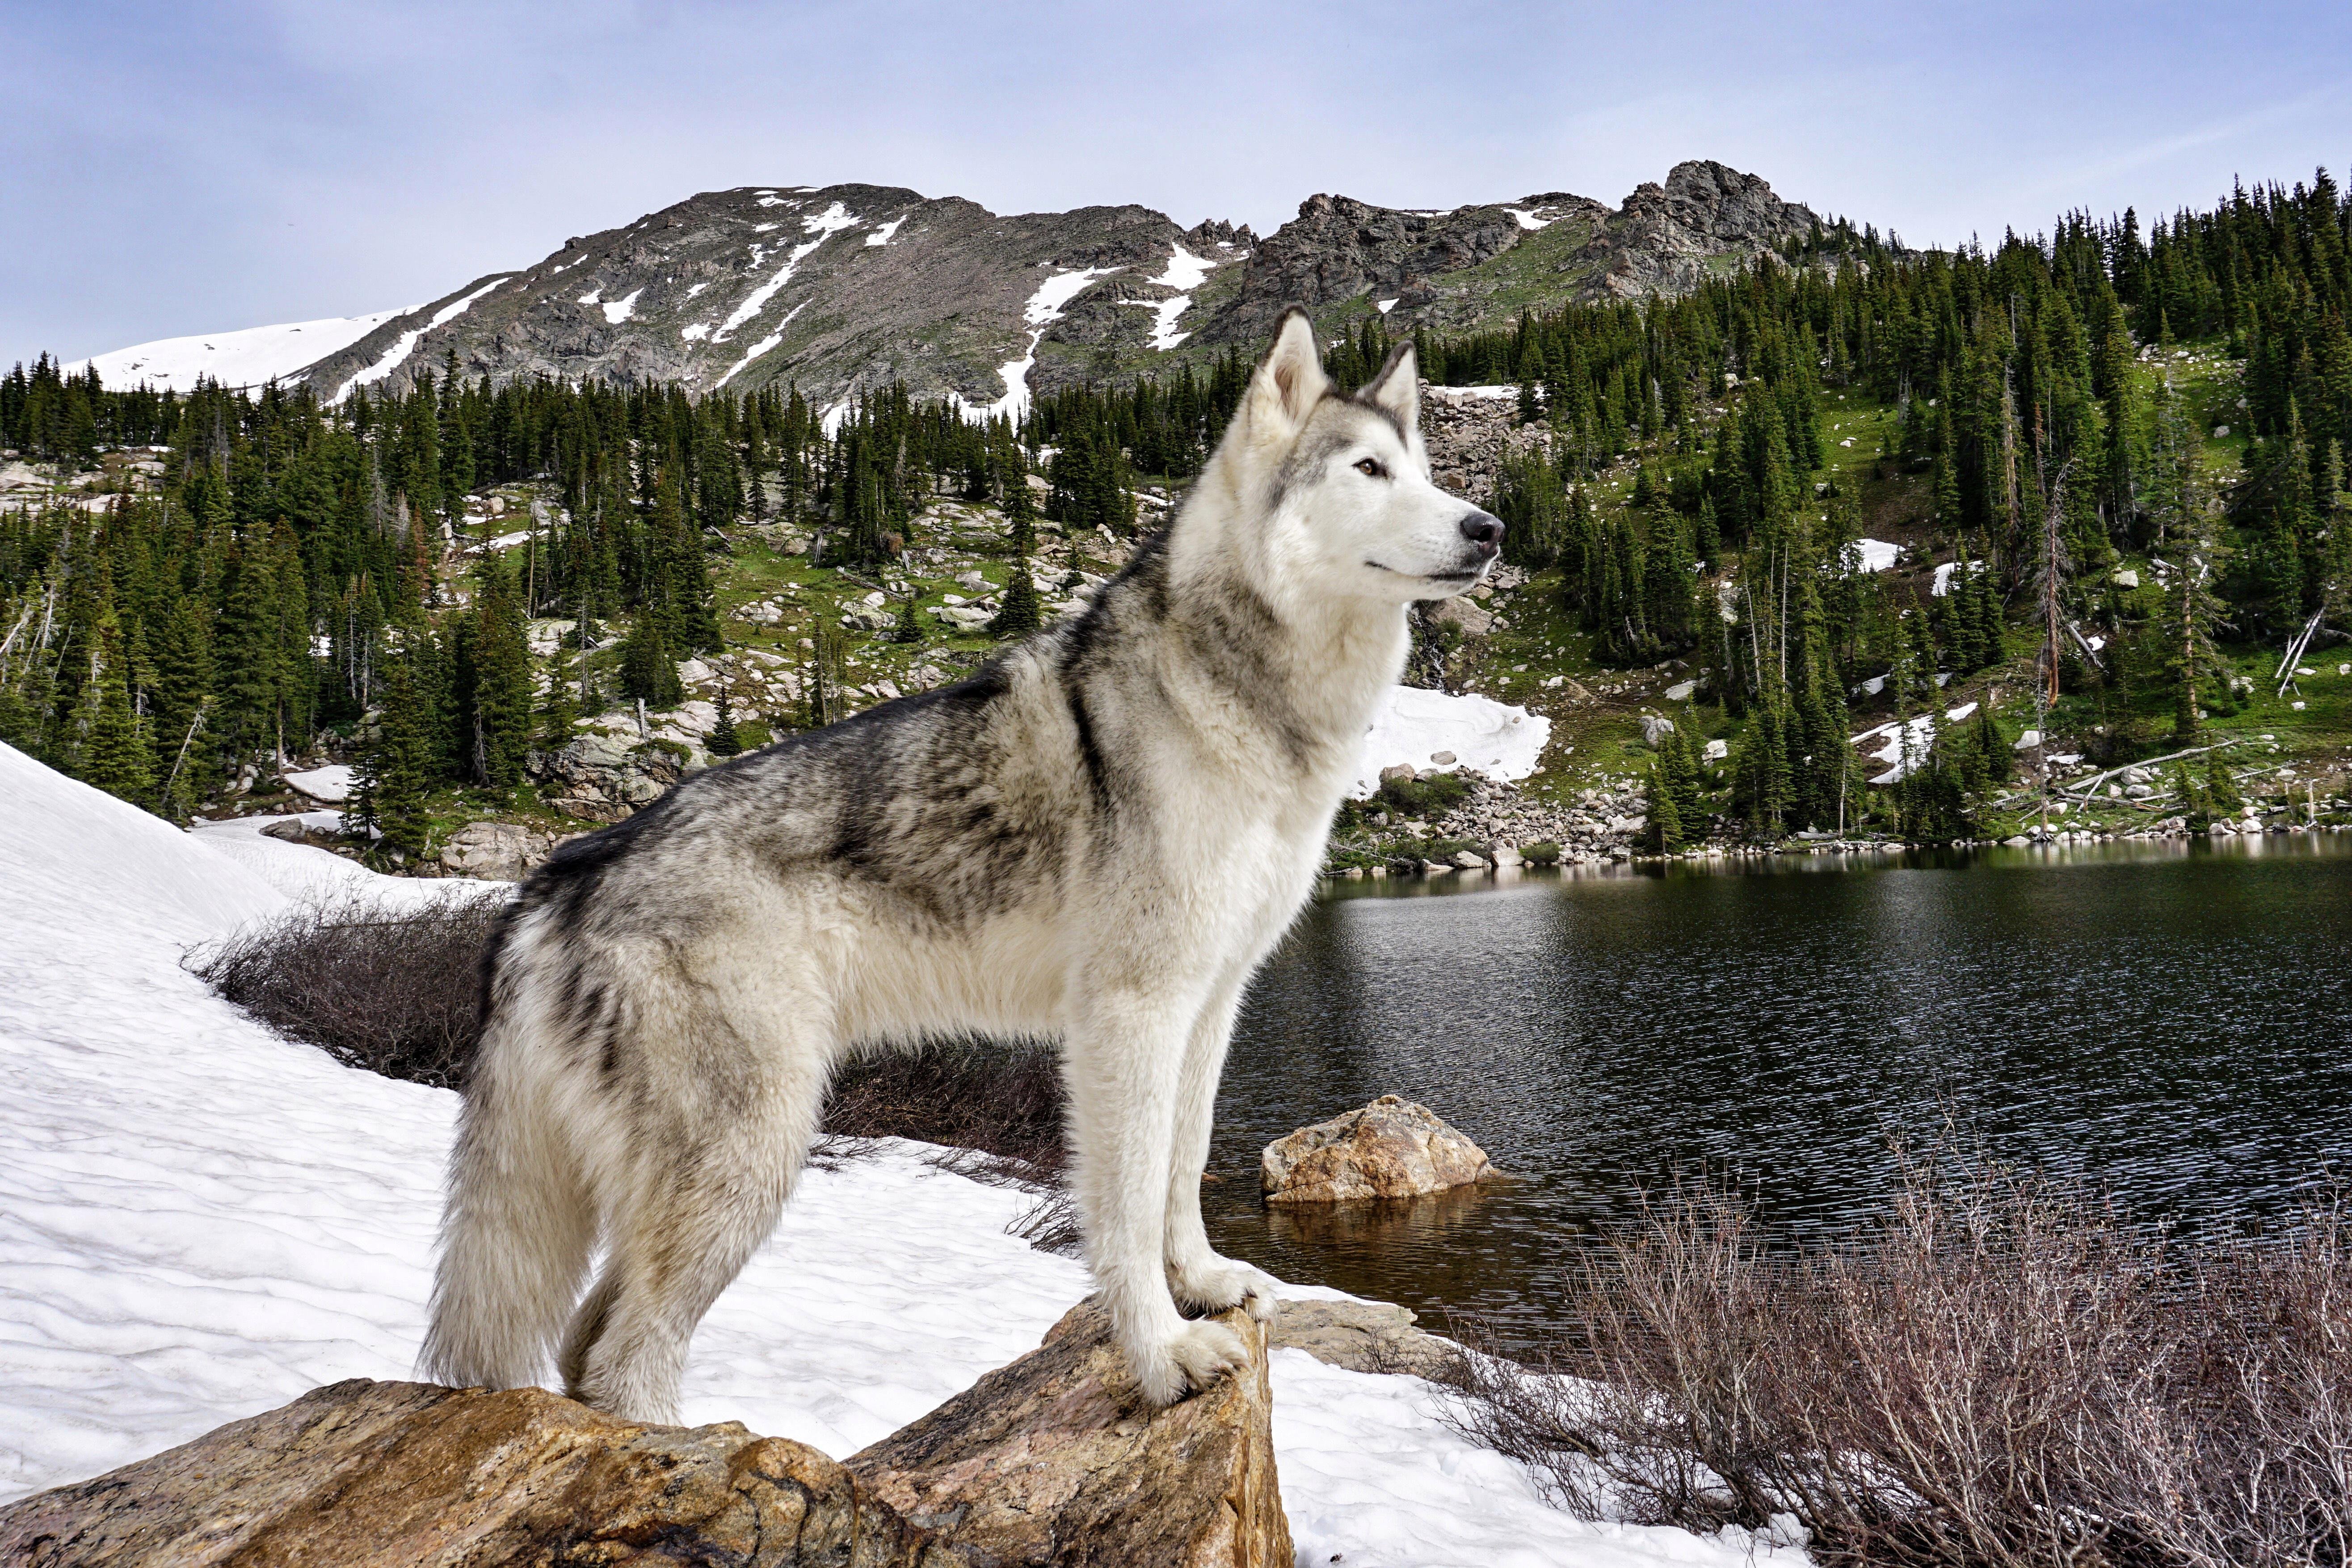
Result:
<point x="192" y="167"/>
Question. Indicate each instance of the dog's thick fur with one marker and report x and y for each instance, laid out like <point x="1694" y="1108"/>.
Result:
<point x="1096" y="838"/>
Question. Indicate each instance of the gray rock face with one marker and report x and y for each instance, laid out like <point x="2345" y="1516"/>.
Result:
<point x="497" y="851"/>
<point x="601" y="778"/>
<point x="844" y="289"/>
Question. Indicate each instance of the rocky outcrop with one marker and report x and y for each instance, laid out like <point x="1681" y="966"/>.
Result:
<point x="1470" y="434"/>
<point x="605" y="778"/>
<point x="1057" y="1458"/>
<point x="1362" y="1336"/>
<point x="496" y="851"/>
<point x="401" y="1475"/>
<point x="1390" y="1149"/>
<point x="1669" y="238"/>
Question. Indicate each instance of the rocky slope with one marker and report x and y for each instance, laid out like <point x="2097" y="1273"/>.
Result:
<point x="846" y="288"/>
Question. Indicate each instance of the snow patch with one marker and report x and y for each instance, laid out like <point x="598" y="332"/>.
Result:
<point x="247" y="358"/>
<point x="331" y="784"/>
<point x="884" y="235"/>
<point x="593" y="297"/>
<point x="1387" y="305"/>
<point x="695" y="334"/>
<point x="823" y="226"/>
<point x="1905" y="744"/>
<point x="1045" y="308"/>
<point x="1871" y="554"/>
<point x="1527" y="219"/>
<point x="400" y="351"/>
<point x="765" y="344"/>
<point x="1184" y="271"/>
<point x="1416" y="725"/>
<point x="694" y="289"/>
<point x="619" y="310"/>
<point x="1473" y="393"/>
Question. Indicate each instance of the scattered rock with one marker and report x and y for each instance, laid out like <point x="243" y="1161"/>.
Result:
<point x="1390" y="1149"/>
<point x="392" y="1475"/>
<point x="1057" y="1458"/>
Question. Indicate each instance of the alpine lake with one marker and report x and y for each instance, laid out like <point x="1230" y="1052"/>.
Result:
<point x="2168" y="1021"/>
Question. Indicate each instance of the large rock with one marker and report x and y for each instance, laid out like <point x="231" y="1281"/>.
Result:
<point x="1057" y="1458"/>
<point x="605" y="778"/>
<point x="1390" y="1149"/>
<point x="498" y="851"/>
<point x="1362" y="1336"/>
<point x="399" y="1474"/>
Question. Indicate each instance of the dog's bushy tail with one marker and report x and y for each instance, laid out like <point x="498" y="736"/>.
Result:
<point x="521" y="1220"/>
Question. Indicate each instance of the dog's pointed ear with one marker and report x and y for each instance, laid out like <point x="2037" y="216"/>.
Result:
<point x="1289" y="381"/>
<point x="1397" y="387"/>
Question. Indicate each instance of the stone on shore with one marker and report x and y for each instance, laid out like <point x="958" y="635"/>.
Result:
<point x="1389" y="1149"/>
<point x="1362" y="1336"/>
<point x="396" y="1475"/>
<point x="1058" y="1458"/>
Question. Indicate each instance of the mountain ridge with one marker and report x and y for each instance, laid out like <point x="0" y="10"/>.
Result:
<point x="845" y="289"/>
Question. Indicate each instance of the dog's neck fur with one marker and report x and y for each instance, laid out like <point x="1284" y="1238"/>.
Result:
<point x="1331" y="657"/>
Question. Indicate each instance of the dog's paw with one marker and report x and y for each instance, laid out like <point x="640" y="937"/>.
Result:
<point x="1219" y="1284"/>
<point x="1188" y="1360"/>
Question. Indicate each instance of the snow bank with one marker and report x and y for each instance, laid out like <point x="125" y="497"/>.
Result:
<point x="1417" y="726"/>
<point x="1905" y="745"/>
<point x="1527" y="219"/>
<point x="331" y="784"/>
<point x="1184" y="271"/>
<point x="247" y="358"/>
<point x="884" y="233"/>
<point x="200" y="1221"/>
<point x="1045" y="308"/>
<point x="823" y="227"/>
<point x="1872" y="554"/>
<point x="407" y="344"/>
<point x="619" y="310"/>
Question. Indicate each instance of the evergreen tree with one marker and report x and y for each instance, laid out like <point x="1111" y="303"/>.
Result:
<point x="1019" y="614"/>
<point x="1664" y="812"/>
<point x="647" y="672"/>
<point x="723" y="742"/>
<point x="908" y="629"/>
<point x="501" y="715"/>
<point x="114" y="754"/>
<point x="2221" y="790"/>
<point x="396" y="769"/>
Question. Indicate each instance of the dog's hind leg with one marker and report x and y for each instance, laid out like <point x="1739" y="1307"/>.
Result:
<point x="1125" y="1058"/>
<point x="1198" y="1275"/>
<point x="704" y="1193"/>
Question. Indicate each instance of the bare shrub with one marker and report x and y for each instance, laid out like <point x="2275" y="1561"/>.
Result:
<point x="392" y="993"/>
<point x="2000" y="1373"/>
<point x="395" y="993"/>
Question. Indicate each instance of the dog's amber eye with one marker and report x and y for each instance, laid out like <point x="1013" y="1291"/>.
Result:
<point x="1370" y="469"/>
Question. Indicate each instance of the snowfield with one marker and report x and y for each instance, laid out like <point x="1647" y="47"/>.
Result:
<point x="1477" y="734"/>
<point x="200" y="1221"/>
<point x="247" y="358"/>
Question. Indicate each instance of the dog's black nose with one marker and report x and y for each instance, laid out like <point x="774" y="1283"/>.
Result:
<point x="1485" y="531"/>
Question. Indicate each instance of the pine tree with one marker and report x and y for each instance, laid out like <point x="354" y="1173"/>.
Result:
<point x="2221" y="790"/>
<point x="114" y="754"/>
<point x="723" y="741"/>
<point x="1665" y="824"/>
<point x="501" y="739"/>
<point x="1020" y="613"/>
<point x="908" y="629"/>
<point x="648" y="672"/>
<point x="396" y="770"/>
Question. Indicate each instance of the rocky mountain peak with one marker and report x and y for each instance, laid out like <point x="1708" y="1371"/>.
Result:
<point x="844" y="289"/>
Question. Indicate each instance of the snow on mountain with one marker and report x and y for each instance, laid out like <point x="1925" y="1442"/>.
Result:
<point x="245" y="358"/>
<point x="405" y="345"/>
<point x="200" y="1221"/>
<point x="1474" y="734"/>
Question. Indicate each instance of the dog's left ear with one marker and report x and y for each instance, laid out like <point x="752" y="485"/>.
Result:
<point x="1289" y="381"/>
<point x="1397" y="388"/>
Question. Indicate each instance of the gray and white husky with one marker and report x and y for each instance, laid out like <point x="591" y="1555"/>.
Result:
<point x="1096" y="838"/>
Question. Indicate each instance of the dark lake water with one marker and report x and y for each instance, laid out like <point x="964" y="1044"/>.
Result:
<point x="2172" y="1021"/>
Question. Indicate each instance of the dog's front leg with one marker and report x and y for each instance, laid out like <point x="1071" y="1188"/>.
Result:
<point x="1127" y="1052"/>
<point x="1199" y="1276"/>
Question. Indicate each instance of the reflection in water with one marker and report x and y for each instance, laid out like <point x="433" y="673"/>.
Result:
<point x="2168" y="1018"/>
